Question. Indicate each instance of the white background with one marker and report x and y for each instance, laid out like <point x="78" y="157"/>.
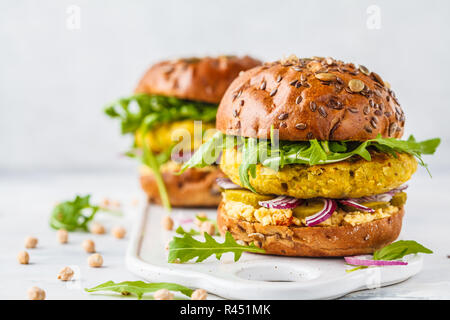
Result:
<point x="54" y="81"/>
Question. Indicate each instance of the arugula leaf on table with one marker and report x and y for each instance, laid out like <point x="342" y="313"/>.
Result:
<point x="73" y="215"/>
<point x="139" y="288"/>
<point x="399" y="249"/>
<point x="191" y="232"/>
<point x="187" y="248"/>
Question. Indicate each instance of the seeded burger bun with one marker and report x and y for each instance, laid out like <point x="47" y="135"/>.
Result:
<point x="196" y="79"/>
<point x="317" y="98"/>
<point x="308" y="99"/>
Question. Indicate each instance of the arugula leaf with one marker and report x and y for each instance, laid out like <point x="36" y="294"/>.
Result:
<point x="210" y="151"/>
<point x="187" y="248"/>
<point x="310" y="152"/>
<point x="191" y="232"/>
<point x="73" y="215"/>
<point x="139" y="288"/>
<point x="149" y="159"/>
<point x="249" y="161"/>
<point x="150" y="110"/>
<point x="356" y="268"/>
<point x="399" y="249"/>
<point x="411" y="146"/>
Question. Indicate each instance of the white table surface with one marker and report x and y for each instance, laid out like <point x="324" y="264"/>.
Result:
<point x="26" y="201"/>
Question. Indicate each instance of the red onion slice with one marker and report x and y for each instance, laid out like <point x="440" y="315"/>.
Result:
<point x="281" y="202"/>
<point x="227" y="184"/>
<point x="364" y="261"/>
<point x="397" y="190"/>
<point x="383" y="197"/>
<point x="328" y="209"/>
<point x="182" y="219"/>
<point x="356" y="205"/>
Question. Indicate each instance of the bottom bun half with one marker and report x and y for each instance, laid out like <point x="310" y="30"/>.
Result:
<point x="193" y="188"/>
<point x="337" y="241"/>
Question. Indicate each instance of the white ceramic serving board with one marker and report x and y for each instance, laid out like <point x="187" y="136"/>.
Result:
<point x="254" y="276"/>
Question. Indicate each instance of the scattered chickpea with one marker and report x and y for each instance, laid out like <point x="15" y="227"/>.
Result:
<point x="95" y="260"/>
<point x="135" y="202"/>
<point x="167" y="223"/>
<point x="116" y="204"/>
<point x="199" y="294"/>
<point x="200" y="215"/>
<point x="119" y="232"/>
<point x="62" y="235"/>
<point x="88" y="246"/>
<point x="31" y="242"/>
<point x="163" y="294"/>
<point x="105" y="203"/>
<point x="23" y="257"/>
<point x="208" y="227"/>
<point x="35" y="293"/>
<point x="97" y="228"/>
<point x="65" y="274"/>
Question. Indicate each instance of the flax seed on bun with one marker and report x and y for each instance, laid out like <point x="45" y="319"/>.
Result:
<point x="314" y="98"/>
<point x="197" y="79"/>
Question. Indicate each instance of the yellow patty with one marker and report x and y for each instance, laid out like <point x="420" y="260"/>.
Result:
<point x="352" y="178"/>
<point x="165" y="135"/>
<point x="285" y="217"/>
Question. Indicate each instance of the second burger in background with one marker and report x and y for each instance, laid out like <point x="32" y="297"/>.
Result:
<point x="170" y="97"/>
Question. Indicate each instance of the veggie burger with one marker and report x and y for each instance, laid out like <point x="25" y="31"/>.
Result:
<point x="313" y="154"/>
<point x="169" y="98"/>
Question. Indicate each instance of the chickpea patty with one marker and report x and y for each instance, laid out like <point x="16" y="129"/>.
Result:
<point x="165" y="135"/>
<point x="352" y="178"/>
